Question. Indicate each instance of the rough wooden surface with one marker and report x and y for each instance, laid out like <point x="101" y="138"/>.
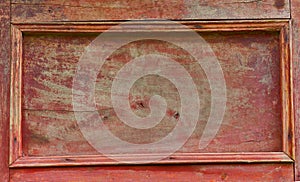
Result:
<point x="221" y="172"/>
<point x="4" y="86"/>
<point x="55" y="10"/>
<point x="49" y="67"/>
<point x="296" y="72"/>
<point x="50" y="128"/>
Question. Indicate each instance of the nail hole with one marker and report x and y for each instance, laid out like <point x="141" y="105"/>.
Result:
<point x="289" y="136"/>
<point x="68" y="160"/>
<point x="141" y="104"/>
<point x="198" y="26"/>
<point x="176" y="115"/>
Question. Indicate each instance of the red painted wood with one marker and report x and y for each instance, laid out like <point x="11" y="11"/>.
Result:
<point x="50" y="128"/>
<point x="220" y="172"/>
<point x="90" y="10"/>
<point x="296" y="68"/>
<point x="251" y="70"/>
<point x="4" y="86"/>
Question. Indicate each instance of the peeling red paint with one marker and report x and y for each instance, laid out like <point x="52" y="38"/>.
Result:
<point x="251" y="72"/>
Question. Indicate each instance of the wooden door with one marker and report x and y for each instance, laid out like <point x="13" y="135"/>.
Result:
<point x="227" y="70"/>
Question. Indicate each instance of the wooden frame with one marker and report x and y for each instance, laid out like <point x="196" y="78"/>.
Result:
<point x="5" y="40"/>
<point x="295" y="21"/>
<point x="17" y="159"/>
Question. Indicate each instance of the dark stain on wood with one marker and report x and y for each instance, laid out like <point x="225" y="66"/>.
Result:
<point x="39" y="138"/>
<point x="69" y="160"/>
<point x="176" y="115"/>
<point x="279" y="4"/>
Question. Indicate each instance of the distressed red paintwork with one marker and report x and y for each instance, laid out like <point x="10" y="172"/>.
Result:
<point x="296" y="66"/>
<point x="54" y="10"/>
<point x="186" y="173"/>
<point x="48" y="125"/>
<point x="4" y="87"/>
<point x="250" y="68"/>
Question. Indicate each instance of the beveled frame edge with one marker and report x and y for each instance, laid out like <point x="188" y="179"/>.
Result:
<point x="181" y="158"/>
<point x="15" y="140"/>
<point x="286" y="80"/>
<point x="17" y="159"/>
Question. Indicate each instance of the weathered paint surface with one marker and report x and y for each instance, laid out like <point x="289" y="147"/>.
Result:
<point x="220" y="172"/>
<point x="250" y="62"/>
<point x="54" y="114"/>
<point x="296" y="69"/>
<point x="55" y="10"/>
<point x="4" y="86"/>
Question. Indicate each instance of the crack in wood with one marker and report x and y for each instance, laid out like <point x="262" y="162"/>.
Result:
<point x="240" y="2"/>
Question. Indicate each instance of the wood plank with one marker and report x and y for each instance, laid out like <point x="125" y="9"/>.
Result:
<point x="4" y="87"/>
<point x="296" y="72"/>
<point x="220" y="172"/>
<point x="54" y="10"/>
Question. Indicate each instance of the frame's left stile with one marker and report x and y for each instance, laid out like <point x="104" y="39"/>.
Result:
<point x="5" y="40"/>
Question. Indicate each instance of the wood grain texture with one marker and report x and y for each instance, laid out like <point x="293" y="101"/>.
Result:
<point x="49" y="66"/>
<point x="52" y="126"/>
<point x="57" y="133"/>
<point x="296" y="72"/>
<point x="259" y="32"/>
<point x="221" y="172"/>
<point x="4" y="87"/>
<point x="48" y="89"/>
<point x="39" y="92"/>
<point x="287" y="92"/>
<point x="176" y="158"/>
<point x="15" y="95"/>
<point x="55" y="10"/>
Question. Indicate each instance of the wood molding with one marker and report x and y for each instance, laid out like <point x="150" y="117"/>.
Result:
<point x="282" y="26"/>
<point x="15" y="96"/>
<point x="184" y="158"/>
<point x="286" y="92"/>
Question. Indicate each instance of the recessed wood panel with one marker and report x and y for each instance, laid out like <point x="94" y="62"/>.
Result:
<point x="252" y="122"/>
